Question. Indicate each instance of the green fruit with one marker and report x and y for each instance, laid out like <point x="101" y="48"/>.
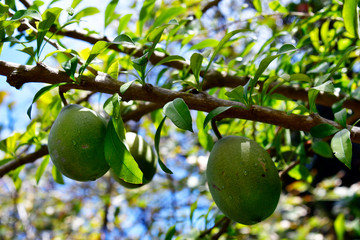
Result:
<point x="76" y="143"/>
<point x="145" y="157"/>
<point x="243" y="180"/>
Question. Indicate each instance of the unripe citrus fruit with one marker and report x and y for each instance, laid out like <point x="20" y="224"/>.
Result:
<point x="145" y="157"/>
<point x="243" y="180"/>
<point x="76" y="143"/>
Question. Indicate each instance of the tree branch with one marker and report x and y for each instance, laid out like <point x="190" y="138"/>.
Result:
<point x="17" y="75"/>
<point x="32" y="157"/>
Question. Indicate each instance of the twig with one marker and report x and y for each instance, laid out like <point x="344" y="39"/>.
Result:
<point x="25" y="3"/>
<point x="23" y="160"/>
<point x="288" y="168"/>
<point x="62" y="97"/>
<point x="208" y="231"/>
<point x="215" y="129"/>
<point x="222" y="230"/>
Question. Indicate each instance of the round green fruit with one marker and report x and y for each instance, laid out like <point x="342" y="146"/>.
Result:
<point x="243" y="180"/>
<point x="76" y="143"/>
<point x="145" y="157"/>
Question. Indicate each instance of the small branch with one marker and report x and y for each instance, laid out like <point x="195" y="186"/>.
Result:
<point x="208" y="231"/>
<point x="222" y="230"/>
<point x="25" y="3"/>
<point x="288" y="168"/>
<point x="62" y="97"/>
<point x="23" y="160"/>
<point x="215" y="129"/>
<point x="210" y="5"/>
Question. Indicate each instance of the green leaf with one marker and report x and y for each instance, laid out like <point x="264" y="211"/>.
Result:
<point x="126" y="86"/>
<point x="98" y="48"/>
<point x="58" y="178"/>
<point x="341" y="117"/>
<point x="179" y="114"/>
<point x="286" y="48"/>
<point x="342" y="147"/>
<point x="300" y="77"/>
<point x="75" y="3"/>
<point x="109" y="12"/>
<point x="49" y="17"/>
<point x="214" y="113"/>
<point x="170" y="233"/>
<point x="312" y="94"/>
<point x="140" y="66"/>
<point x="145" y="10"/>
<point x="89" y="11"/>
<point x="29" y="50"/>
<point x="322" y="67"/>
<point x="196" y="60"/>
<point x="120" y="39"/>
<point x="257" y="5"/>
<point x="41" y="169"/>
<point x="41" y="92"/>
<point x="70" y="67"/>
<point x="28" y="13"/>
<point x="277" y="7"/>
<point x="157" y="143"/>
<point x="170" y="59"/>
<point x="322" y="148"/>
<point x="123" y="22"/>
<point x="204" y="44"/>
<point x="114" y="69"/>
<point x="193" y="207"/>
<point x="11" y="4"/>
<point x="237" y="94"/>
<point x="323" y="130"/>
<point x="325" y="87"/>
<point x="223" y="41"/>
<point x="167" y="14"/>
<point x="350" y="15"/>
<point x="340" y="227"/>
<point x="118" y="156"/>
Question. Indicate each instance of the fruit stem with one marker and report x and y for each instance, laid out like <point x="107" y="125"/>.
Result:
<point x="62" y="97"/>
<point x="215" y="129"/>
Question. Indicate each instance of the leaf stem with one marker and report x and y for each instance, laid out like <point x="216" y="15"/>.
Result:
<point x="62" y="97"/>
<point x="215" y="129"/>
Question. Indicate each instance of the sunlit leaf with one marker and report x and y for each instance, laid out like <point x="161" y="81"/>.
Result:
<point x="49" y="17"/>
<point x="342" y="147"/>
<point x="89" y="11"/>
<point x="118" y="156"/>
<point x="204" y="44"/>
<point x="341" y="117"/>
<point x="350" y="15"/>
<point x="178" y="112"/>
<point x="57" y="176"/>
<point x="41" y="92"/>
<point x="214" y="113"/>
<point x="157" y="148"/>
<point x="41" y="169"/>
<point x="28" y="13"/>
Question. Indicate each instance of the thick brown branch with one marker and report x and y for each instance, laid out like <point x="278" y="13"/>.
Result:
<point x="23" y="160"/>
<point x="160" y="96"/>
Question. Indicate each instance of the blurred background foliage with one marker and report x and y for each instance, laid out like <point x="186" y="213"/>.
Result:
<point x="321" y="196"/>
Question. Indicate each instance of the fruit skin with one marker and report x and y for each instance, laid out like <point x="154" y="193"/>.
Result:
<point x="76" y="143"/>
<point x="145" y="157"/>
<point x="243" y="180"/>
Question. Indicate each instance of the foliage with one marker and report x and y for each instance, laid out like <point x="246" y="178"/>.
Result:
<point x="283" y="74"/>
